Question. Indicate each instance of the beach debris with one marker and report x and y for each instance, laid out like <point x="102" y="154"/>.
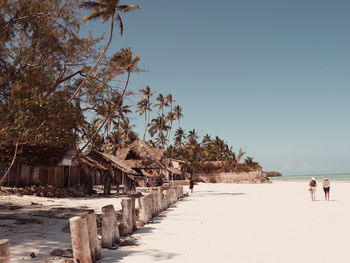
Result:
<point x="57" y="252"/>
<point x="61" y="260"/>
<point x="32" y="255"/>
<point x="128" y="243"/>
<point x="47" y="191"/>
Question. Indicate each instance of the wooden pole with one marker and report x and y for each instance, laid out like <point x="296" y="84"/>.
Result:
<point x="80" y="237"/>
<point x="5" y="251"/>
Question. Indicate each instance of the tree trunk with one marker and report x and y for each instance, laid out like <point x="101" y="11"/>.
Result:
<point x="7" y="174"/>
<point x="97" y="62"/>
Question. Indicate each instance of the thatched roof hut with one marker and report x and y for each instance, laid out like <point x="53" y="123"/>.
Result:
<point x="140" y="156"/>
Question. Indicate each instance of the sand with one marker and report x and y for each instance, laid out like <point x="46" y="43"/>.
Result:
<point x="271" y="223"/>
<point x="248" y="224"/>
<point x="34" y="224"/>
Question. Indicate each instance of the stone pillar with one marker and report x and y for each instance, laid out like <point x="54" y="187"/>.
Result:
<point x="108" y="226"/>
<point x="80" y="237"/>
<point x="5" y="251"/>
<point x="127" y="215"/>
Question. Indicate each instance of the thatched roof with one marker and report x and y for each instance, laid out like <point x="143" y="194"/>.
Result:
<point x="139" y="150"/>
<point x="142" y="156"/>
<point x="92" y="163"/>
<point x="120" y="164"/>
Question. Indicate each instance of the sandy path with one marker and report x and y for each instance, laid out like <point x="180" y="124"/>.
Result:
<point x="248" y="224"/>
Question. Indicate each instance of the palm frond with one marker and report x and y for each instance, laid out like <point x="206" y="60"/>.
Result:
<point x="127" y="8"/>
<point x="90" y="5"/>
<point x="120" y="24"/>
<point x="92" y="15"/>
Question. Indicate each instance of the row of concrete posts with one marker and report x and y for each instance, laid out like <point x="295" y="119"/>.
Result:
<point x="84" y="226"/>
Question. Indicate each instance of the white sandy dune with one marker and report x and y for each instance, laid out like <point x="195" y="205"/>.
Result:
<point x="275" y="223"/>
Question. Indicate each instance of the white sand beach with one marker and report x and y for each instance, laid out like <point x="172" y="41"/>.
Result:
<point x="268" y="223"/>
<point x="248" y="224"/>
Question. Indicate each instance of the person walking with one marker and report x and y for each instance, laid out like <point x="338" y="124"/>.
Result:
<point x="326" y="188"/>
<point x="312" y="189"/>
<point x="191" y="184"/>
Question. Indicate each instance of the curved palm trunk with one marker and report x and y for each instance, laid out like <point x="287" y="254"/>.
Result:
<point x="12" y="162"/>
<point x="97" y="62"/>
<point x="109" y="115"/>
<point x="145" y="129"/>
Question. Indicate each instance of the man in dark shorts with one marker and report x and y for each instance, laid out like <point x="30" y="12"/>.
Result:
<point x="326" y="188"/>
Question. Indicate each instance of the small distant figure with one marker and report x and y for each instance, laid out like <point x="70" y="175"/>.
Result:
<point x="326" y="188"/>
<point x="312" y="188"/>
<point x="191" y="184"/>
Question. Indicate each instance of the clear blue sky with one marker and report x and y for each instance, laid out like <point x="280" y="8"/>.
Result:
<point x="269" y="76"/>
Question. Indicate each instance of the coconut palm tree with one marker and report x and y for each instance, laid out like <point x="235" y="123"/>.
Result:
<point x="180" y="136"/>
<point x="142" y="108"/>
<point x="240" y="155"/>
<point x="157" y="126"/>
<point x="171" y="116"/>
<point x="192" y="137"/>
<point x="146" y="94"/>
<point x="178" y="113"/>
<point x="123" y="60"/>
<point x="104" y="10"/>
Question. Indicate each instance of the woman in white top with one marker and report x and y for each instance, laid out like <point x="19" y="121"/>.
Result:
<point x="326" y="188"/>
<point x="312" y="189"/>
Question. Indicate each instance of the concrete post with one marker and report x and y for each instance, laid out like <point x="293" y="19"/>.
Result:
<point x="134" y="226"/>
<point x="116" y="236"/>
<point x="127" y="215"/>
<point x="92" y="232"/>
<point x="166" y="198"/>
<point x="108" y="225"/>
<point x="149" y="207"/>
<point x="80" y="237"/>
<point x="143" y="210"/>
<point x="160" y="198"/>
<point x="5" y="251"/>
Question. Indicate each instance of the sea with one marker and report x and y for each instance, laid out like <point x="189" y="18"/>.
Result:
<point x="319" y="177"/>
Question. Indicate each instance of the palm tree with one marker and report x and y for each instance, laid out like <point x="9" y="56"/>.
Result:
<point x="179" y="138"/>
<point x="105" y="10"/>
<point x="157" y="126"/>
<point x="249" y="160"/>
<point x="178" y="113"/>
<point x="142" y="108"/>
<point x="192" y="137"/>
<point x="161" y="140"/>
<point x="124" y="60"/>
<point x="146" y="94"/>
<point x="240" y="155"/>
<point x="171" y="116"/>
<point x="206" y="139"/>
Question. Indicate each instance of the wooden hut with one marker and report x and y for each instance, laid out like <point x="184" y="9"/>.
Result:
<point x="44" y="166"/>
<point x="106" y="169"/>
